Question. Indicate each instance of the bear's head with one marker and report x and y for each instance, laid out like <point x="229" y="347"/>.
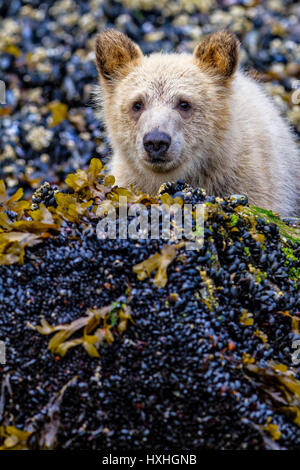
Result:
<point x="165" y="112"/>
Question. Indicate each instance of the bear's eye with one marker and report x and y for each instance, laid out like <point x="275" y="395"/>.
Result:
<point x="137" y="106"/>
<point x="184" y="106"/>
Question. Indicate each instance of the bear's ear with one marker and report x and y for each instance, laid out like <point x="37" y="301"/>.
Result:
<point x="218" y="53"/>
<point x="115" y="52"/>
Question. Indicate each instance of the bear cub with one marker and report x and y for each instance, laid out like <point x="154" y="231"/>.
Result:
<point x="196" y="117"/>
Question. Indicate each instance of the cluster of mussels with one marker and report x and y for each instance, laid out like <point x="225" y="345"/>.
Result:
<point x="44" y="195"/>
<point x="141" y="343"/>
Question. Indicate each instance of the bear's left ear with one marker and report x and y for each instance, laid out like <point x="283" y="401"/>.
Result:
<point x="115" y="53"/>
<point x="218" y="53"/>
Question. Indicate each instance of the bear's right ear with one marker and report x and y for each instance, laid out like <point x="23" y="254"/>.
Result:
<point x="115" y="53"/>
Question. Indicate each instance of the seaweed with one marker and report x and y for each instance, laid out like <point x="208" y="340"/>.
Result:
<point x="45" y="438"/>
<point x="14" y="438"/>
<point x="286" y="231"/>
<point x="20" y="227"/>
<point x="97" y="326"/>
<point x="159" y="262"/>
<point x="280" y="384"/>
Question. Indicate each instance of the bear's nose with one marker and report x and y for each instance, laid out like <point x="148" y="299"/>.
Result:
<point x="156" y="143"/>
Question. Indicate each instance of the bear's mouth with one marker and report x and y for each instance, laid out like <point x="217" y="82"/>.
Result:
<point x="160" y="164"/>
<point x="158" y="160"/>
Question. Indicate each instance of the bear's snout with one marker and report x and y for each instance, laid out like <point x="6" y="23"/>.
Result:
<point x="156" y="143"/>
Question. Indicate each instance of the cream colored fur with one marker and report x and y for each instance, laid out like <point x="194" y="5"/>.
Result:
<point x="233" y="141"/>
